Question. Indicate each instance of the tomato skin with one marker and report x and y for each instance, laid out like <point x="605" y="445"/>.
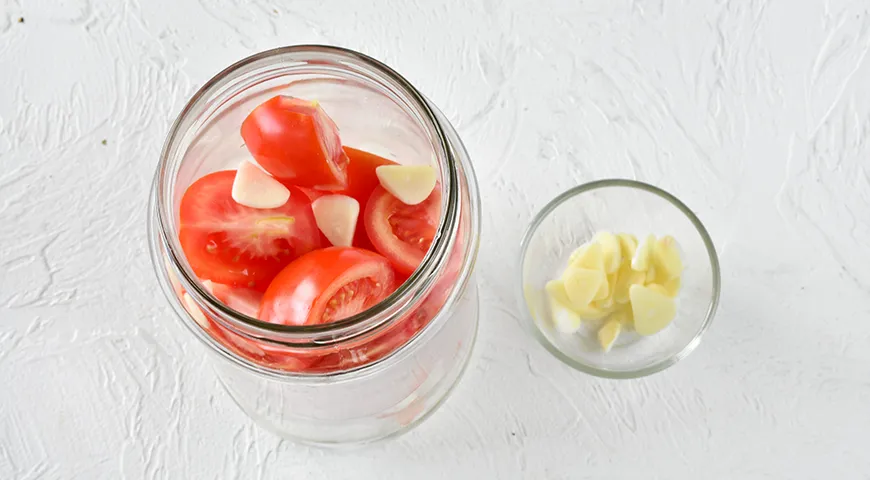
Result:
<point x="402" y="233"/>
<point x="361" y="176"/>
<point x="361" y="182"/>
<point x="240" y="246"/>
<point x="296" y="142"/>
<point x="327" y="285"/>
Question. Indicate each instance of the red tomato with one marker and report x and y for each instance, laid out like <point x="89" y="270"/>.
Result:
<point x="383" y="344"/>
<point x="402" y="233"/>
<point x="372" y="349"/>
<point x="247" y="301"/>
<point x="361" y="182"/>
<point x="311" y="193"/>
<point x="241" y="246"/>
<point x="242" y="300"/>
<point x="263" y="353"/>
<point x="296" y="142"/>
<point x="361" y="176"/>
<point x="327" y="285"/>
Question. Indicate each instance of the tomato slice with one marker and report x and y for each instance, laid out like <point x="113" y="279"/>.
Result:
<point x="241" y="246"/>
<point x="361" y="182"/>
<point x="296" y="142"/>
<point x="327" y="285"/>
<point x="402" y="233"/>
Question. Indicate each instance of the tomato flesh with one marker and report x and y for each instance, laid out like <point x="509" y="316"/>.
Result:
<point x="240" y="246"/>
<point x="327" y="285"/>
<point x="402" y="233"/>
<point x="296" y="142"/>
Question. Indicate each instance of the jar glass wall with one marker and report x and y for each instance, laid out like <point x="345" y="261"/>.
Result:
<point x="368" y="376"/>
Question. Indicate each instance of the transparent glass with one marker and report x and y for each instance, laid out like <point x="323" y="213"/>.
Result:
<point x="572" y="219"/>
<point x="369" y="376"/>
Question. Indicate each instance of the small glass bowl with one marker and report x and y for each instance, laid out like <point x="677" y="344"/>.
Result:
<point x="628" y="206"/>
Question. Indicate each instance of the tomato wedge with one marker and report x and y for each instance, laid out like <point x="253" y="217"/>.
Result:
<point x="327" y="285"/>
<point x="361" y="177"/>
<point x="402" y="233"/>
<point x="296" y="142"/>
<point x="241" y="246"/>
<point x="361" y="182"/>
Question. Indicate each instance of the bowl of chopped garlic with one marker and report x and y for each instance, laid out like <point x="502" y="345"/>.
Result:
<point x="619" y="279"/>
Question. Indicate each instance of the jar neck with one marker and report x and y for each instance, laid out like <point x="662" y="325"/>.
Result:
<point x="278" y="66"/>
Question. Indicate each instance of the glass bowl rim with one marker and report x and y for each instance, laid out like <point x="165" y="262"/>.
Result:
<point x="662" y="364"/>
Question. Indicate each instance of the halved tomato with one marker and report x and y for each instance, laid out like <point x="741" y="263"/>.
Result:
<point x="361" y="182"/>
<point x="297" y="142"/>
<point x="241" y="246"/>
<point x="402" y="233"/>
<point x="327" y="285"/>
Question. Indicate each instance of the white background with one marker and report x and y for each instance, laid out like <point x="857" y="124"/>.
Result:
<point x="755" y="113"/>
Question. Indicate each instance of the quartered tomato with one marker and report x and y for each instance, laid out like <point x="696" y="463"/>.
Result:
<point x="241" y="246"/>
<point x="361" y="182"/>
<point x="327" y="285"/>
<point x="296" y="142"/>
<point x="402" y="233"/>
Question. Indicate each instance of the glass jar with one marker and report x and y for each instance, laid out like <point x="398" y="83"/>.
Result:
<point x="369" y="376"/>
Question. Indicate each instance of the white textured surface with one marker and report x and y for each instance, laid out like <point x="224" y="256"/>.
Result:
<point x="755" y="113"/>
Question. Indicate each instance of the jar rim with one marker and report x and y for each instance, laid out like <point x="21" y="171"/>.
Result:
<point x="383" y="313"/>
